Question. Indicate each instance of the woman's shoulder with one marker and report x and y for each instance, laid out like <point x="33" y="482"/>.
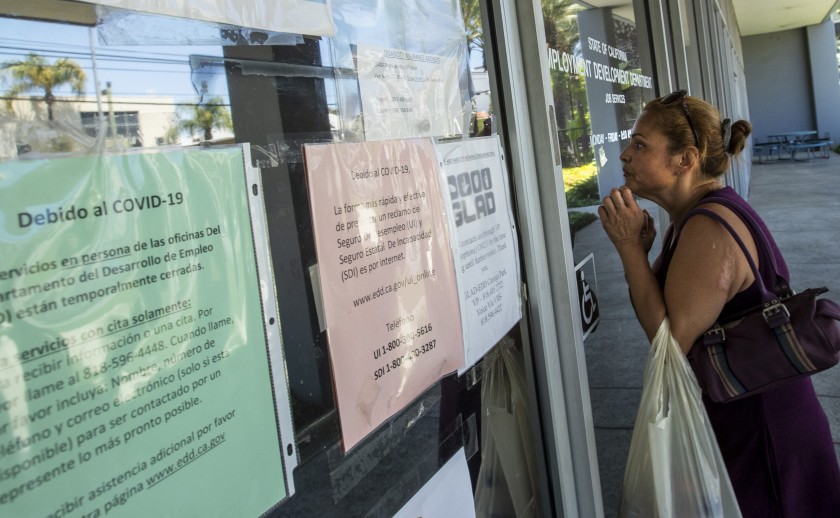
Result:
<point x="727" y="203"/>
<point x="729" y="198"/>
<point x="700" y="225"/>
<point x="730" y="207"/>
<point x="728" y="238"/>
<point x="726" y="247"/>
<point x="751" y="228"/>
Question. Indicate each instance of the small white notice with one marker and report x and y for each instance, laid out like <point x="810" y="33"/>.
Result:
<point x="448" y="493"/>
<point x="408" y="94"/>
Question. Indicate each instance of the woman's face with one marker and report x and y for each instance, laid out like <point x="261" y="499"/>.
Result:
<point x="648" y="166"/>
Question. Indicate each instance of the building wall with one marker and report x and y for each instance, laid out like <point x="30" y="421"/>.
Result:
<point x="792" y="81"/>
<point x="826" y="79"/>
<point x="28" y="125"/>
<point x="778" y="79"/>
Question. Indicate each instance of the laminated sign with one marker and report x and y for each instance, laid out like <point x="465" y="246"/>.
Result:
<point x="387" y="276"/>
<point x="483" y="241"/>
<point x="312" y="17"/>
<point x="134" y="364"/>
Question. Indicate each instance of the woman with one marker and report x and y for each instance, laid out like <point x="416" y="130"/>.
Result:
<point x="777" y="445"/>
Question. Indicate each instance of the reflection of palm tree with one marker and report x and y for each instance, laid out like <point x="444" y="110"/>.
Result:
<point x="206" y="117"/>
<point x="34" y="73"/>
<point x="569" y="90"/>
<point x="472" y="24"/>
<point x="560" y="24"/>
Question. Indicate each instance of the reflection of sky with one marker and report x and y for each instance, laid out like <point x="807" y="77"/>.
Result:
<point x="135" y="71"/>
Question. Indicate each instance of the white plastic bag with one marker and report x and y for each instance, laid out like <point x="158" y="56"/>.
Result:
<point x="674" y="467"/>
<point x="507" y="479"/>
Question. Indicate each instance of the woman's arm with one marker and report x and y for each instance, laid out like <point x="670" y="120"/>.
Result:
<point x="707" y="269"/>
<point x="629" y="228"/>
<point x="645" y="293"/>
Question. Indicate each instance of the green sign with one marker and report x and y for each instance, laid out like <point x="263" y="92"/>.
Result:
<point x="134" y="373"/>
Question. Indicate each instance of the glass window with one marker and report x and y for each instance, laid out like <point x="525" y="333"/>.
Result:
<point x="118" y="80"/>
<point x="601" y="77"/>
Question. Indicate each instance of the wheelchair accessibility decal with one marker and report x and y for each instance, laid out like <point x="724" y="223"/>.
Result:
<point x="589" y="311"/>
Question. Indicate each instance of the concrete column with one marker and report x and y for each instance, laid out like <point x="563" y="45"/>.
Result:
<point x="597" y="30"/>
<point x="825" y="78"/>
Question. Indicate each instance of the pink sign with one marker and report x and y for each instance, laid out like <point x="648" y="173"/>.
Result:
<point x="387" y="275"/>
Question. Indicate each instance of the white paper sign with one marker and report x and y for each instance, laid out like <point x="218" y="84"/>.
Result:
<point x="408" y="94"/>
<point x="448" y="493"/>
<point x="387" y="277"/>
<point x="484" y="242"/>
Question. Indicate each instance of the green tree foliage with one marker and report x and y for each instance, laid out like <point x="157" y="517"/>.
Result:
<point x="560" y="23"/>
<point x="472" y="23"/>
<point x="35" y="73"/>
<point x="170" y="136"/>
<point x="206" y="117"/>
<point x="568" y="89"/>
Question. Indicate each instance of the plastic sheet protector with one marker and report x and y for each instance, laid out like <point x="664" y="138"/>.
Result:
<point x="408" y="94"/>
<point x="134" y="365"/>
<point x="387" y="276"/>
<point x="313" y="17"/>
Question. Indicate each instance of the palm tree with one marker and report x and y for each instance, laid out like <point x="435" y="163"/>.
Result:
<point x="35" y="73"/>
<point x="472" y="24"/>
<point x="206" y="117"/>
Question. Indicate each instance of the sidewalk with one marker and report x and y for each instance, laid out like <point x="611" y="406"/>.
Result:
<point x="800" y="202"/>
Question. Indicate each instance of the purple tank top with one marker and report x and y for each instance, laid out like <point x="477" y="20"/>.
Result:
<point x="777" y="445"/>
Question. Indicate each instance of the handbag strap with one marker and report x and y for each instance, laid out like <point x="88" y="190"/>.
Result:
<point x="782" y="285"/>
<point x="766" y="295"/>
<point x="758" y="234"/>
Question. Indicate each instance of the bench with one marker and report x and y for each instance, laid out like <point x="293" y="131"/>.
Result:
<point x="811" y="148"/>
<point x="764" y="151"/>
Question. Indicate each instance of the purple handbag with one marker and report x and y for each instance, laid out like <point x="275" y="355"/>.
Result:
<point x="786" y="337"/>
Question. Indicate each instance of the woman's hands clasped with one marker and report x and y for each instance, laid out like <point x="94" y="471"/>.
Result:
<point x="625" y="222"/>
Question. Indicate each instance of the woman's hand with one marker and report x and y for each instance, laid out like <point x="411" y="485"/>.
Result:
<point x="625" y="222"/>
<point x="631" y="230"/>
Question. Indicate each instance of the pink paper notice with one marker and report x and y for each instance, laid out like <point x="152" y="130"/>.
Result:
<point x="387" y="275"/>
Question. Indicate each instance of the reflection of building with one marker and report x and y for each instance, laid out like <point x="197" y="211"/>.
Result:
<point x="141" y="121"/>
<point x="137" y="122"/>
<point x="481" y="89"/>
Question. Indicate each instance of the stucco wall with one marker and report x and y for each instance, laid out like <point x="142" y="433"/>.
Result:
<point x="779" y="85"/>
<point x="792" y="81"/>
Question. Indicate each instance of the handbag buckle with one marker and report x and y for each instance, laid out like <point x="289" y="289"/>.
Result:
<point x="714" y="336"/>
<point x="776" y="314"/>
